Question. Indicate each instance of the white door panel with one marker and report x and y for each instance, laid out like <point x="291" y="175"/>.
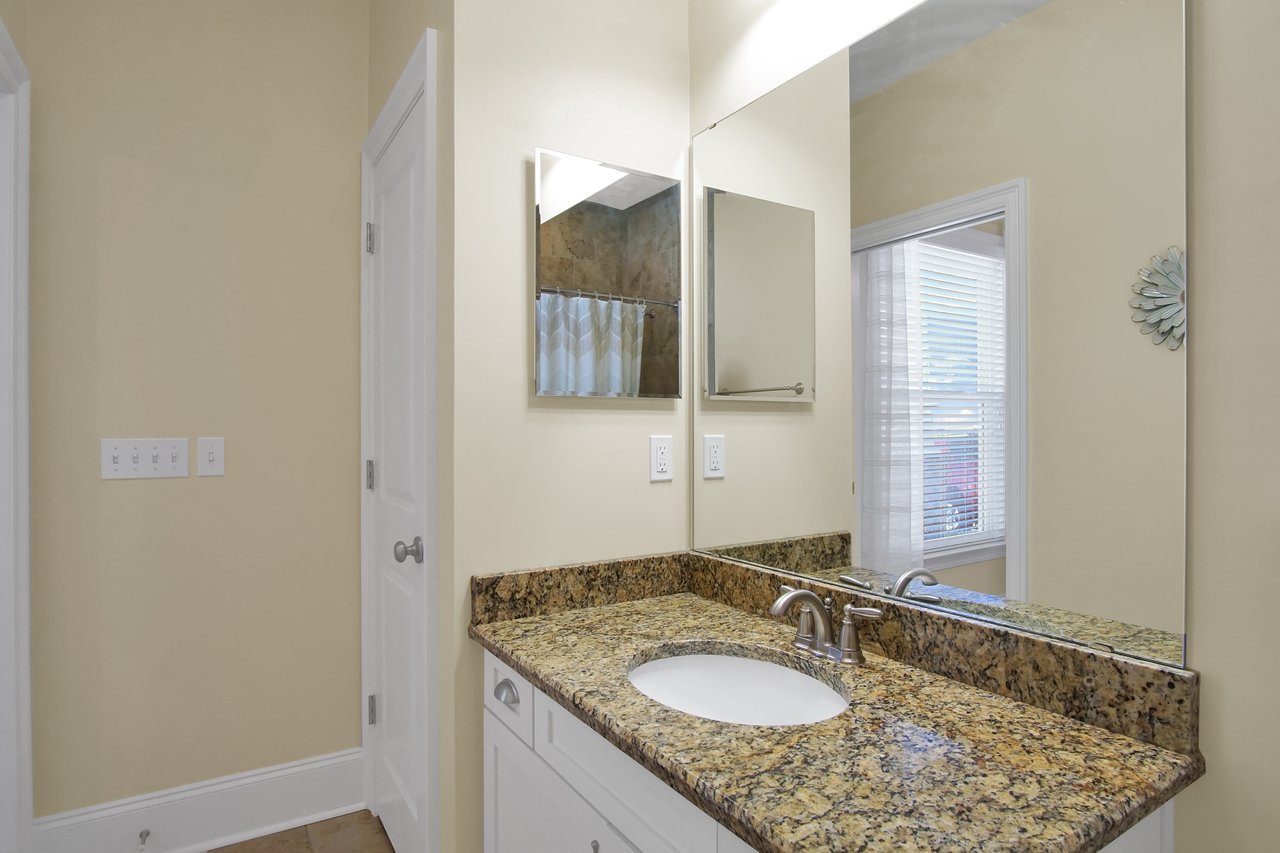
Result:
<point x="399" y="438"/>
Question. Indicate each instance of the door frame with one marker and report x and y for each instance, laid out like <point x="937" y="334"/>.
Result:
<point x="16" y="804"/>
<point x="1010" y="200"/>
<point x="418" y="82"/>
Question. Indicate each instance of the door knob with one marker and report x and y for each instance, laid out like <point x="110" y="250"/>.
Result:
<point x="401" y="550"/>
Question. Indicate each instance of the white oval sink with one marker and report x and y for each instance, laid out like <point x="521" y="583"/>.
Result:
<point x="737" y="690"/>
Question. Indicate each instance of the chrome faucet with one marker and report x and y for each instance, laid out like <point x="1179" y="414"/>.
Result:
<point x="818" y="635"/>
<point x="814" y="631"/>
<point x="899" y="587"/>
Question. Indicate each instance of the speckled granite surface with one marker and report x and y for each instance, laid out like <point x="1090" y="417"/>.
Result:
<point x="1153" y="703"/>
<point x="918" y="762"/>
<point x="801" y="554"/>
<point x="827" y="556"/>
<point x="512" y="595"/>
<point x="1123" y="637"/>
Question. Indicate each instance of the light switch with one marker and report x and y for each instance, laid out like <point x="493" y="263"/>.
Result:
<point x="144" y="458"/>
<point x="713" y="457"/>
<point x="211" y="458"/>
<point x="659" y="458"/>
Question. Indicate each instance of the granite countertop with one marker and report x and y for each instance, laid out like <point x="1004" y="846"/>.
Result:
<point x="1149" y="643"/>
<point x="917" y="762"/>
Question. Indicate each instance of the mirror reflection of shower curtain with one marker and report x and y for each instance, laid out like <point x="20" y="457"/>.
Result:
<point x="892" y="484"/>
<point x="589" y="346"/>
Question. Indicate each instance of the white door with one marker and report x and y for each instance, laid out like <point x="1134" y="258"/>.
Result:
<point x="399" y="510"/>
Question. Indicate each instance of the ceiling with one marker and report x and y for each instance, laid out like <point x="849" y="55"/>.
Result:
<point x="926" y="33"/>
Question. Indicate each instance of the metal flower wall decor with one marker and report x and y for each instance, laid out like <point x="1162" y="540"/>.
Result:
<point x="1161" y="299"/>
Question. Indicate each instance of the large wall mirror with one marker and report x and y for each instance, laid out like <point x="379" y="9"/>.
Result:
<point x="987" y="178"/>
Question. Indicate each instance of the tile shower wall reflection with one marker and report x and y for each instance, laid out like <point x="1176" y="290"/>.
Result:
<point x="633" y="252"/>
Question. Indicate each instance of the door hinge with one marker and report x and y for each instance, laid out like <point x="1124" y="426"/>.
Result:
<point x="853" y="488"/>
<point x="368" y="237"/>
<point x="368" y="474"/>
<point x="373" y="709"/>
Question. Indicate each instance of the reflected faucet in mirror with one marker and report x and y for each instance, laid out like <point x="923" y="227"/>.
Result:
<point x="899" y="587"/>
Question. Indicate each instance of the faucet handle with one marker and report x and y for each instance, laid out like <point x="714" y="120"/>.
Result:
<point x="850" y="648"/>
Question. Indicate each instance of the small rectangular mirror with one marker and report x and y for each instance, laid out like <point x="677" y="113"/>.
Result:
<point x="607" y="294"/>
<point x="760" y="320"/>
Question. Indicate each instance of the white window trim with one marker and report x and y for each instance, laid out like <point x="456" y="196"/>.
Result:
<point x="15" y="493"/>
<point x="1010" y="201"/>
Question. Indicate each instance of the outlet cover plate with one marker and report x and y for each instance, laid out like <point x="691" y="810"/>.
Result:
<point x="713" y="457"/>
<point x="660" y="462"/>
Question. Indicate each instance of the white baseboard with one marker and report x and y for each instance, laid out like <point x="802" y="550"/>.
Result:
<point x="194" y="818"/>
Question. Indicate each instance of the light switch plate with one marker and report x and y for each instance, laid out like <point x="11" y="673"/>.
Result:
<point x="660" y="462"/>
<point x="713" y="457"/>
<point x="211" y="460"/>
<point x="144" y="458"/>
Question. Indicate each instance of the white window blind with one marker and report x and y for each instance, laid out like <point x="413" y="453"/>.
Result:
<point x="962" y="331"/>
<point x="934" y="399"/>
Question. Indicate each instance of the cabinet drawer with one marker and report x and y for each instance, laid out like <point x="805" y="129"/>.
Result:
<point x="654" y="818"/>
<point x="509" y="696"/>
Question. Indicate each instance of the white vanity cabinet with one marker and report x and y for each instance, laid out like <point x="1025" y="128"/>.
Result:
<point x="552" y="785"/>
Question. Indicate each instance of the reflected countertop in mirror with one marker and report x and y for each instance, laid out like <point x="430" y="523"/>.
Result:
<point x="1052" y="497"/>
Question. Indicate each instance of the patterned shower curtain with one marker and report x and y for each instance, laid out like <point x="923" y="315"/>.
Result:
<point x="589" y="346"/>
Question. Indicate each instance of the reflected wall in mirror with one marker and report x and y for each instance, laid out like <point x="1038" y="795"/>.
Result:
<point x="607" y="296"/>
<point x="1081" y="104"/>
<point x="759" y="253"/>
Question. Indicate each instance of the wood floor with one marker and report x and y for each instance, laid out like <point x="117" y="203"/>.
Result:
<point x="359" y="832"/>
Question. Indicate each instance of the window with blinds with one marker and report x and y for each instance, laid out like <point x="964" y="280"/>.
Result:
<point x="959" y="279"/>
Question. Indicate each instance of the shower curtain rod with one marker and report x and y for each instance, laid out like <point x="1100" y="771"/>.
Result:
<point x="565" y="291"/>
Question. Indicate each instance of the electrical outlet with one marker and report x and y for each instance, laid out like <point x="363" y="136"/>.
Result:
<point x="660" y="463"/>
<point x="713" y="457"/>
<point x="143" y="458"/>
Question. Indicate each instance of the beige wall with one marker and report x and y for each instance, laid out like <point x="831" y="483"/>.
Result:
<point x="13" y="14"/>
<point x="395" y="27"/>
<point x="602" y="80"/>
<point x="787" y="465"/>
<point x="1093" y="118"/>
<point x="195" y="196"/>
<point x="987" y="576"/>
<point x="1233" y="585"/>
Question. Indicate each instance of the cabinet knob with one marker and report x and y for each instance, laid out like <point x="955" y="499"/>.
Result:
<point x="505" y="692"/>
<point x="595" y="847"/>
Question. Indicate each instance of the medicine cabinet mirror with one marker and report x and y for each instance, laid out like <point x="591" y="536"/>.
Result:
<point x="760" y="320"/>
<point x="607" y="297"/>
<point x="984" y="177"/>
